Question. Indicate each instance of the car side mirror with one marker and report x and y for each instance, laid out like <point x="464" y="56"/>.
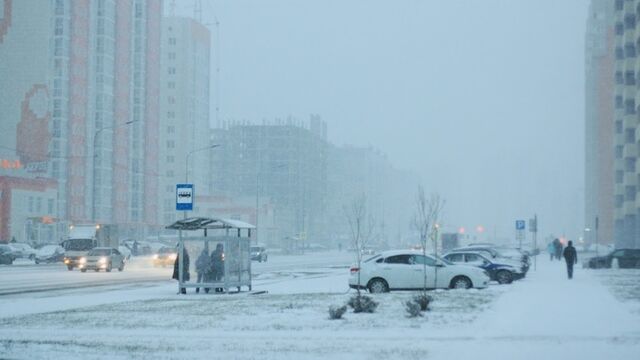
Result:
<point x="439" y="263"/>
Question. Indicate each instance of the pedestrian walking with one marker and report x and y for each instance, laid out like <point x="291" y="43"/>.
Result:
<point x="203" y="267"/>
<point x="571" y="257"/>
<point x="559" y="247"/>
<point x="185" y="269"/>
<point x="551" y="249"/>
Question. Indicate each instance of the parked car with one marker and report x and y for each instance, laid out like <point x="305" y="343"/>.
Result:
<point x="622" y="258"/>
<point x="23" y="251"/>
<point x="50" y="254"/>
<point x="104" y="258"/>
<point x="504" y="272"/>
<point x="504" y="253"/>
<point x="6" y="255"/>
<point x="404" y="270"/>
<point x="259" y="253"/>
<point x="166" y="256"/>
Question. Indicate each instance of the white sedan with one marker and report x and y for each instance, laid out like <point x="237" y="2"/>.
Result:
<point x="404" y="270"/>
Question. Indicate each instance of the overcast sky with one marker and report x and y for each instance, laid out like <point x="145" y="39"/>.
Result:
<point x="483" y="99"/>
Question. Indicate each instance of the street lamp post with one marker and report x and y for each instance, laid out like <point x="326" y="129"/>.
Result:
<point x="95" y="156"/>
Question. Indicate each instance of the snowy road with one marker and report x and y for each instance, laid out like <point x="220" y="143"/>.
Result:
<point x="26" y="277"/>
<point x="544" y="316"/>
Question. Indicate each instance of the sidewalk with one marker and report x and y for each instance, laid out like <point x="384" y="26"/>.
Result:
<point x="547" y="316"/>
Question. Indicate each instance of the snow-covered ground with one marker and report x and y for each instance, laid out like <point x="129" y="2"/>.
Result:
<point x="544" y="316"/>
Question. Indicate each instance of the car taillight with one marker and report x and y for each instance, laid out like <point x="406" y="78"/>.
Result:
<point x="354" y="270"/>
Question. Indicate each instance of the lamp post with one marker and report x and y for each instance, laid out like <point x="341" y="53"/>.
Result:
<point x="95" y="156"/>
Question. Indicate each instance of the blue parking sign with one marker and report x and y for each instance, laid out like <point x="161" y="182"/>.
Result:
<point x="520" y="224"/>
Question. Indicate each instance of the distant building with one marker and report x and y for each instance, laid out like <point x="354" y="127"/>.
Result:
<point x="285" y="161"/>
<point x="599" y="122"/>
<point x="184" y="111"/>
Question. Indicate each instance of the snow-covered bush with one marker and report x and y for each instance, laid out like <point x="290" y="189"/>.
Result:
<point x="423" y="300"/>
<point x="413" y="308"/>
<point x="362" y="303"/>
<point x="336" y="312"/>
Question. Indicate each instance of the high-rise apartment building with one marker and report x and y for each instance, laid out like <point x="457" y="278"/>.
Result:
<point x="627" y="172"/>
<point x="284" y="161"/>
<point x="80" y="104"/>
<point x="184" y="111"/>
<point x="599" y="122"/>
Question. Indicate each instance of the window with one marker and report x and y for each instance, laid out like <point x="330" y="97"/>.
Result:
<point x="172" y="41"/>
<point x="618" y="126"/>
<point x="630" y="77"/>
<point x="630" y="22"/>
<point x="618" y="151"/>
<point x="619" y="201"/>
<point x="630" y="136"/>
<point x="630" y="165"/>
<point x="629" y="51"/>
<point x="420" y="259"/>
<point x="619" y="5"/>
<point x="172" y="71"/>
<point x="619" y="28"/>
<point x="619" y="78"/>
<point x="30" y="203"/>
<point x="398" y="259"/>
<point x="619" y="176"/>
<point x="629" y="106"/>
<point x="455" y="258"/>
<point x="619" y="53"/>
<point x="171" y="144"/>
<point x="619" y="102"/>
<point x="630" y="193"/>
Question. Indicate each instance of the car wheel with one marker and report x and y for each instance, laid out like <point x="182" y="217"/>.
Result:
<point x="37" y="261"/>
<point x="504" y="277"/>
<point x="69" y="267"/>
<point x="32" y="257"/>
<point x="83" y="270"/>
<point x="121" y="267"/>
<point x="96" y="269"/>
<point x="460" y="282"/>
<point x="108" y="268"/>
<point x="377" y="286"/>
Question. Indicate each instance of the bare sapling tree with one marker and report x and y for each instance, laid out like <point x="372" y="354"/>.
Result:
<point x="427" y="221"/>
<point x="361" y="225"/>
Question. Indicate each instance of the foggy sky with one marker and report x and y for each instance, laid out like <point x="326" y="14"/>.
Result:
<point x="483" y="99"/>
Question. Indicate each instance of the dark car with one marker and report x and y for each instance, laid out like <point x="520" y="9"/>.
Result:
<point x="6" y="255"/>
<point x="259" y="253"/>
<point x="494" y="253"/>
<point x="622" y="258"/>
<point x="504" y="272"/>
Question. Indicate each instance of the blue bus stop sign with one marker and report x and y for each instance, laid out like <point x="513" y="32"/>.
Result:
<point x="184" y="197"/>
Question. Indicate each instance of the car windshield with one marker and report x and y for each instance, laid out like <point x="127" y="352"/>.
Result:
<point x="99" y="252"/>
<point x="166" y="250"/>
<point x="78" y="244"/>
<point x="256" y="249"/>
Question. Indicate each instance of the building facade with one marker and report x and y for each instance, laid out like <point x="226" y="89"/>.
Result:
<point x="284" y="164"/>
<point x="184" y="111"/>
<point x="626" y="201"/>
<point x="82" y="104"/>
<point x="599" y="123"/>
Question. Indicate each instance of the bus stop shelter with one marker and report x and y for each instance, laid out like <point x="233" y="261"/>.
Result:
<point x="201" y="235"/>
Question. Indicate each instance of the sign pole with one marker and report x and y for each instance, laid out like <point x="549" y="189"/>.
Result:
<point x="184" y="202"/>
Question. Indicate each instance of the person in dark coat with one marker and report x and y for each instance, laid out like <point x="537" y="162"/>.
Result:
<point x="217" y="264"/>
<point x="203" y="268"/>
<point x="571" y="257"/>
<point x="185" y="269"/>
<point x="559" y="248"/>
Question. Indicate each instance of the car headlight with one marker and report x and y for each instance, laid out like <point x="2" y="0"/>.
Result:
<point x="173" y="256"/>
<point x="82" y="260"/>
<point x="102" y="260"/>
<point x="155" y="256"/>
